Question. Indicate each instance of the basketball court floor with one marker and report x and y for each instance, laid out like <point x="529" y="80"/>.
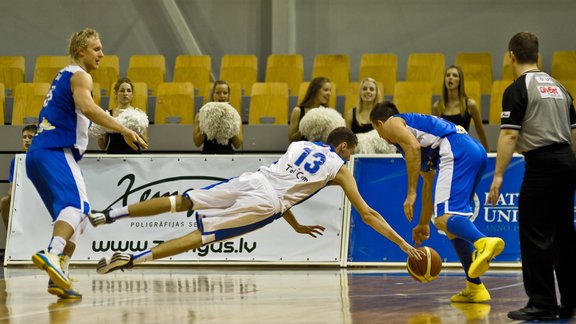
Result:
<point x="192" y="294"/>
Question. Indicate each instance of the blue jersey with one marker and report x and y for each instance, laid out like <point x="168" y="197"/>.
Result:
<point x="11" y="175"/>
<point x="429" y="132"/>
<point x="61" y="124"/>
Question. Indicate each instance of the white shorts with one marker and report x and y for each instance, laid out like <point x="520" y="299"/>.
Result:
<point x="235" y="207"/>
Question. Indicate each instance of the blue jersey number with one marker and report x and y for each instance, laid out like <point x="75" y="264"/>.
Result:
<point x="317" y="159"/>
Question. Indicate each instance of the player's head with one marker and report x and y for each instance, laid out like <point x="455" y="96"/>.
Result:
<point x="28" y="133"/>
<point x="85" y="48"/>
<point x="523" y="48"/>
<point x="381" y="113"/>
<point x="344" y="142"/>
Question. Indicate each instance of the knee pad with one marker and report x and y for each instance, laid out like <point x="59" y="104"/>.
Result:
<point x="72" y="216"/>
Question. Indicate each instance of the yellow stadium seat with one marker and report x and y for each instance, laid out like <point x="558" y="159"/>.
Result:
<point x="508" y="71"/>
<point x="570" y="85"/>
<point x="496" y="94"/>
<point x="382" y="68"/>
<point x="427" y="67"/>
<point x="477" y="66"/>
<point x="242" y="69"/>
<point x="352" y="93"/>
<point x="564" y="65"/>
<point x="288" y="68"/>
<point x="335" y="67"/>
<point x="139" y="98"/>
<point x="195" y="69"/>
<point x="96" y="92"/>
<point x="175" y="103"/>
<point x="12" y="71"/>
<point x="473" y="91"/>
<point x="269" y="103"/>
<point x="235" y="95"/>
<point x="150" y="69"/>
<point x="107" y="73"/>
<point x="47" y="66"/>
<point x="413" y="96"/>
<point x="304" y="87"/>
<point x="28" y="101"/>
<point x="2" y="103"/>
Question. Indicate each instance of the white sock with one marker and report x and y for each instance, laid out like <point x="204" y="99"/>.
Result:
<point x="143" y="257"/>
<point x="56" y="245"/>
<point x="119" y="212"/>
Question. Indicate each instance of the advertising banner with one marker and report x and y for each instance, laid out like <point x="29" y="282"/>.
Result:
<point x="119" y="181"/>
<point x="383" y="183"/>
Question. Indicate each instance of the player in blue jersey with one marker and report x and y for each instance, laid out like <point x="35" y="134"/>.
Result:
<point x="255" y="199"/>
<point x="429" y="143"/>
<point x="52" y="160"/>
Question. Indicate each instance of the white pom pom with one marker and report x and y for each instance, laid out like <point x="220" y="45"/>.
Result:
<point x="134" y="119"/>
<point x="96" y="130"/>
<point x="371" y="143"/>
<point x="319" y="122"/>
<point x="219" y="121"/>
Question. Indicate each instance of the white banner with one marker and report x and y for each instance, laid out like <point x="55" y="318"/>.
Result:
<point x="119" y="181"/>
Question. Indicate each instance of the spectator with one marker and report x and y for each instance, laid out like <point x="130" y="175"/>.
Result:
<point x="220" y="92"/>
<point x="28" y="133"/>
<point x="114" y="142"/>
<point x="456" y="107"/>
<point x="317" y="95"/>
<point x="358" y="118"/>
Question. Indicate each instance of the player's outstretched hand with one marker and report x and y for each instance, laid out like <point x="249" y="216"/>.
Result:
<point x="420" y="233"/>
<point x="411" y="251"/>
<point x="311" y="230"/>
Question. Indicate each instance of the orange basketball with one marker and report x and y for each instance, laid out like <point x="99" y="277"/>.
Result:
<point x="426" y="269"/>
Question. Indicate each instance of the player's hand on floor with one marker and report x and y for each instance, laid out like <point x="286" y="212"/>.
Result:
<point x="311" y="230"/>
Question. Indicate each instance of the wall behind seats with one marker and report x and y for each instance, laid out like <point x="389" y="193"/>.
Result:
<point x="321" y="26"/>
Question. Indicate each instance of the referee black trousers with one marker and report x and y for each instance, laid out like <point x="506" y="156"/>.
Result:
<point x="546" y="223"/>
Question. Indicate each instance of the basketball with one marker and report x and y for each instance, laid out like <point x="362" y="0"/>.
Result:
<point x="426" y="269"/>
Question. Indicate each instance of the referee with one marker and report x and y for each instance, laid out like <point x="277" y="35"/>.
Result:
<point x="539" y="121"/>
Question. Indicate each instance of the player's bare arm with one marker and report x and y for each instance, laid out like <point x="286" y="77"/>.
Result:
<point x="312" y="230"/>
<point x="506" y="145"/>
<point x="421" y="231"/>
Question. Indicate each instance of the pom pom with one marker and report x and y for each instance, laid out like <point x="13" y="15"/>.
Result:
<point x="371" y="143"/>
<point x="319" y="122"/>
<point x="219" y="121"/>
<point x="134" y="119"/>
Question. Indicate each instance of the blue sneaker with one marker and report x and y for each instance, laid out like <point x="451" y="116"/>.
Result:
<point x="70" y="293"/>
<point x="50" y="263"/>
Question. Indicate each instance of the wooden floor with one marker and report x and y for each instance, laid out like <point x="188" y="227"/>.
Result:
<point x="254" y="295"/>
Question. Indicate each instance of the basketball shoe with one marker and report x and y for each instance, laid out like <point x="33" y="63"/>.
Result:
<point x="70" y="293"/>
<point x="119" y="261"/>
<point x="97" y="218"/>
<point x="486" y="249"/>
<point x="50" y="263"/>
<point x="473" y="293"/>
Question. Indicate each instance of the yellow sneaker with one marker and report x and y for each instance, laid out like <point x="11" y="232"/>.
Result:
<point x="473" y="293"/>
<point x="486" y="249"/>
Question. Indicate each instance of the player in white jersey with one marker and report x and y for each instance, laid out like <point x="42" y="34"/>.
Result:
<point x="429" y="143"/>
<point x="52" y="160"/>
<point x="255" y="199"/>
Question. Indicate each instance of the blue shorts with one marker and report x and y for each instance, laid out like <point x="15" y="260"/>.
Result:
<point x="56" y="176"/>
<point x="462" y="164"/>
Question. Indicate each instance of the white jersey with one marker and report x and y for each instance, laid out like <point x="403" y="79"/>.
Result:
<point x="303" y="170"/>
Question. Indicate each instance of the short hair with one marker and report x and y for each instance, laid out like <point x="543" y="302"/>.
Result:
<point x="524" y="45"/>
<point x="342" y="134"/>
<point x="120" y="82"/>
<point x="213" y="89"/>
<point x="79" y="41"/>
<point x="315" y="85"/>
<point x="30" y="128"/>
<point x="383" y="110"/>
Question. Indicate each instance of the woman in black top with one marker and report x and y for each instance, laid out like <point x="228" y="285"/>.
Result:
<point x="358" y="118"/>
<point x="456" y="107"/>
<point x="317" y="95"/>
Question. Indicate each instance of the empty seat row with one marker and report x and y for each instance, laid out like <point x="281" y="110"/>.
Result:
<point x="289" y="68"/>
